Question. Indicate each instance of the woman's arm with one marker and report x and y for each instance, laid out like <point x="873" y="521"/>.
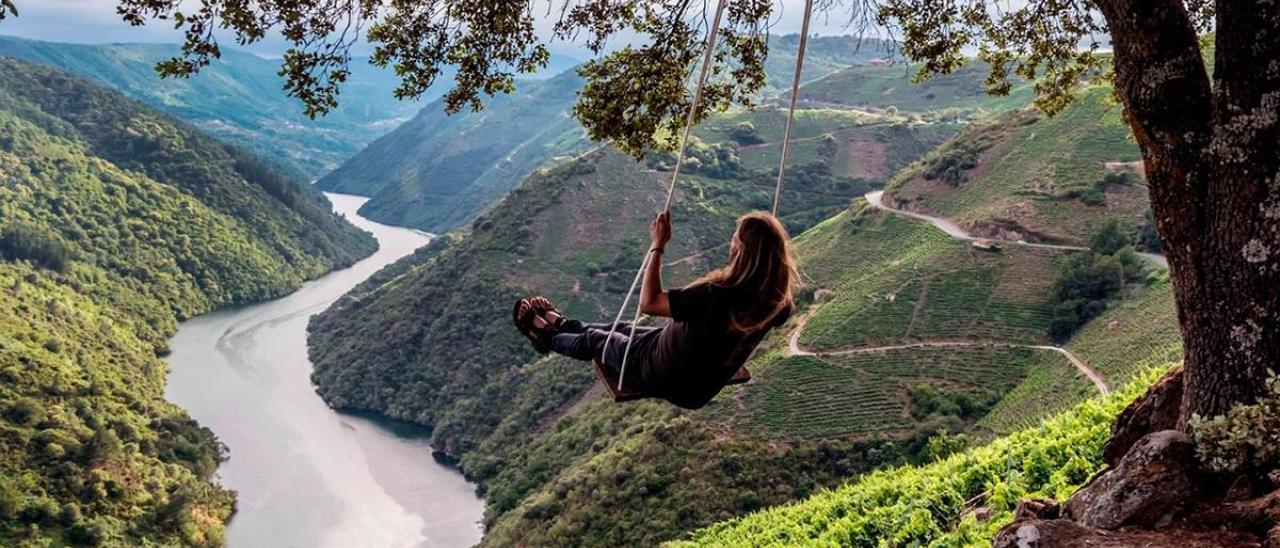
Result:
<point x="653" y="299"/>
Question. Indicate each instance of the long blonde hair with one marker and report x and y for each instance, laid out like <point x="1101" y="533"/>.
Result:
<point x="760" y="266"/>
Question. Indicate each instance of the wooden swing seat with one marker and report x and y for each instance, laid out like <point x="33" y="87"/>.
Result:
<point x="609" y="378"/>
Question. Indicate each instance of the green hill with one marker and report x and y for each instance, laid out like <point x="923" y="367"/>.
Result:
<point x="239" y="98"/>
<point x="437" y="171"/>
<point x="940" y="503"/>
<point x="943" y="503"/>
<point x="906" y="316"/>
<point x="911" y="345"/>
<point x="1025" y="176"/>
<point x="903" y="313"/>
<point x="116" y="221"/>
<point x="965" y="498"/>
<point x="890" y="280"/>
<point x="882" y="86"/>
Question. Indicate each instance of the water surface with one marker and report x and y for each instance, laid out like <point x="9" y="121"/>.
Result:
<point x="305" y="475"/>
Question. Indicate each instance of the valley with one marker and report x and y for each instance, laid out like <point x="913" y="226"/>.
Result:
<point x="206" y="350"/>
<point x="914" y="336"/>
<point x="344" y="480"/>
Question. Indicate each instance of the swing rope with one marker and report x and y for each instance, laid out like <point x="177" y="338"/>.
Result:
<point x="675" y="175"/>
<point x="791" y="112"/>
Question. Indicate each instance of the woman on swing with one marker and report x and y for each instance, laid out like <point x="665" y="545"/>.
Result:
<point x="716" y="322"/>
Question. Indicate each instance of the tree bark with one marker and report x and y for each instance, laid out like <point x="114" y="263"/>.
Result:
<point x="1210" y="154"/>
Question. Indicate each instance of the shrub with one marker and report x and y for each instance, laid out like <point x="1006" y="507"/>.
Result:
<point x="24" y="412"/>
<point x="21" y="241"/>
<point x="1146" y="237"/>
<point x="87" y="534"/>
<point x="1110" y="239"/>
<point x="1093" y="196"/>
<point x="951" y="165"/>
<point x="10" y="499"/>
<point x="1088" y="280"/>
<point x="718" y="160"/>
<point x="745" y="134"/>
<point x="53" y="345"/>
<point x="39" y="510"/>
<point x="1246" y="439"/>
<point x="943" y="445"/>
<point x="1096" y="194"/>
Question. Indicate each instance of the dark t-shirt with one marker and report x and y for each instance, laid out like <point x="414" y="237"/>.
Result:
<point x="698" y="352"/>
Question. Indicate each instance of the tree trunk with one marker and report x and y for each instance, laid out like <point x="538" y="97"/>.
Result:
<point x="1211" y="161"/>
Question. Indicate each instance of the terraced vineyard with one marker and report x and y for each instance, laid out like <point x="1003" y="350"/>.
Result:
<point x="900" y="303"/>
<point x="1140" y="333"/>
<point x="864" y="393"/>
<point x="889" y="280"/>
<point x="1051" y="385"/>
<point x="929" y="505"/>
<point x="1033" y="177"/>
<point x="859" y="144"/>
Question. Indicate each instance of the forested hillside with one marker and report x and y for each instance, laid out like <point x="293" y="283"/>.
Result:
<point x="238" y="98"/>
<point x="116" y="221"/>
<point x="439" y="171"/>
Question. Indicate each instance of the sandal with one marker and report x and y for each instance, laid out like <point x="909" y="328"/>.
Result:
<point x="524" y="323"/>
<point x="544" y="305"/>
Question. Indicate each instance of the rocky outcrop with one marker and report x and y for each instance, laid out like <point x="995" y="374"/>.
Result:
<point x="1153" y="492"/>
<point x="1061" y="533"/>
<point x="1150" y="487"/>
<point x="1155" y="411"/>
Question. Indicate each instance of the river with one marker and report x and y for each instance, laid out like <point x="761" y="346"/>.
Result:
<point x="306" y="475"/>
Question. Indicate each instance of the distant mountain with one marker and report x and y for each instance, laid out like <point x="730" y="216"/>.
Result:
<point x="116" y="222"/>
<point x="438" y="171"/>
<point x="823" y="55"/>
<point x="883" y="85"/>
<point x="240" y="99"/>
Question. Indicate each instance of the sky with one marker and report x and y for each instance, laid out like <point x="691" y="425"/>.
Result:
<point x="96" y="22"/>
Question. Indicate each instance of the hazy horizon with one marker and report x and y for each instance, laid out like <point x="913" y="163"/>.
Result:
<point x="96" y="22"/>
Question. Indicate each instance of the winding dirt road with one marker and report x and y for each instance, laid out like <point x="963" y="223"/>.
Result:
<point x="954" y="230"/>
<point x="876" y="199"/>
<point x="794" y="349"/>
